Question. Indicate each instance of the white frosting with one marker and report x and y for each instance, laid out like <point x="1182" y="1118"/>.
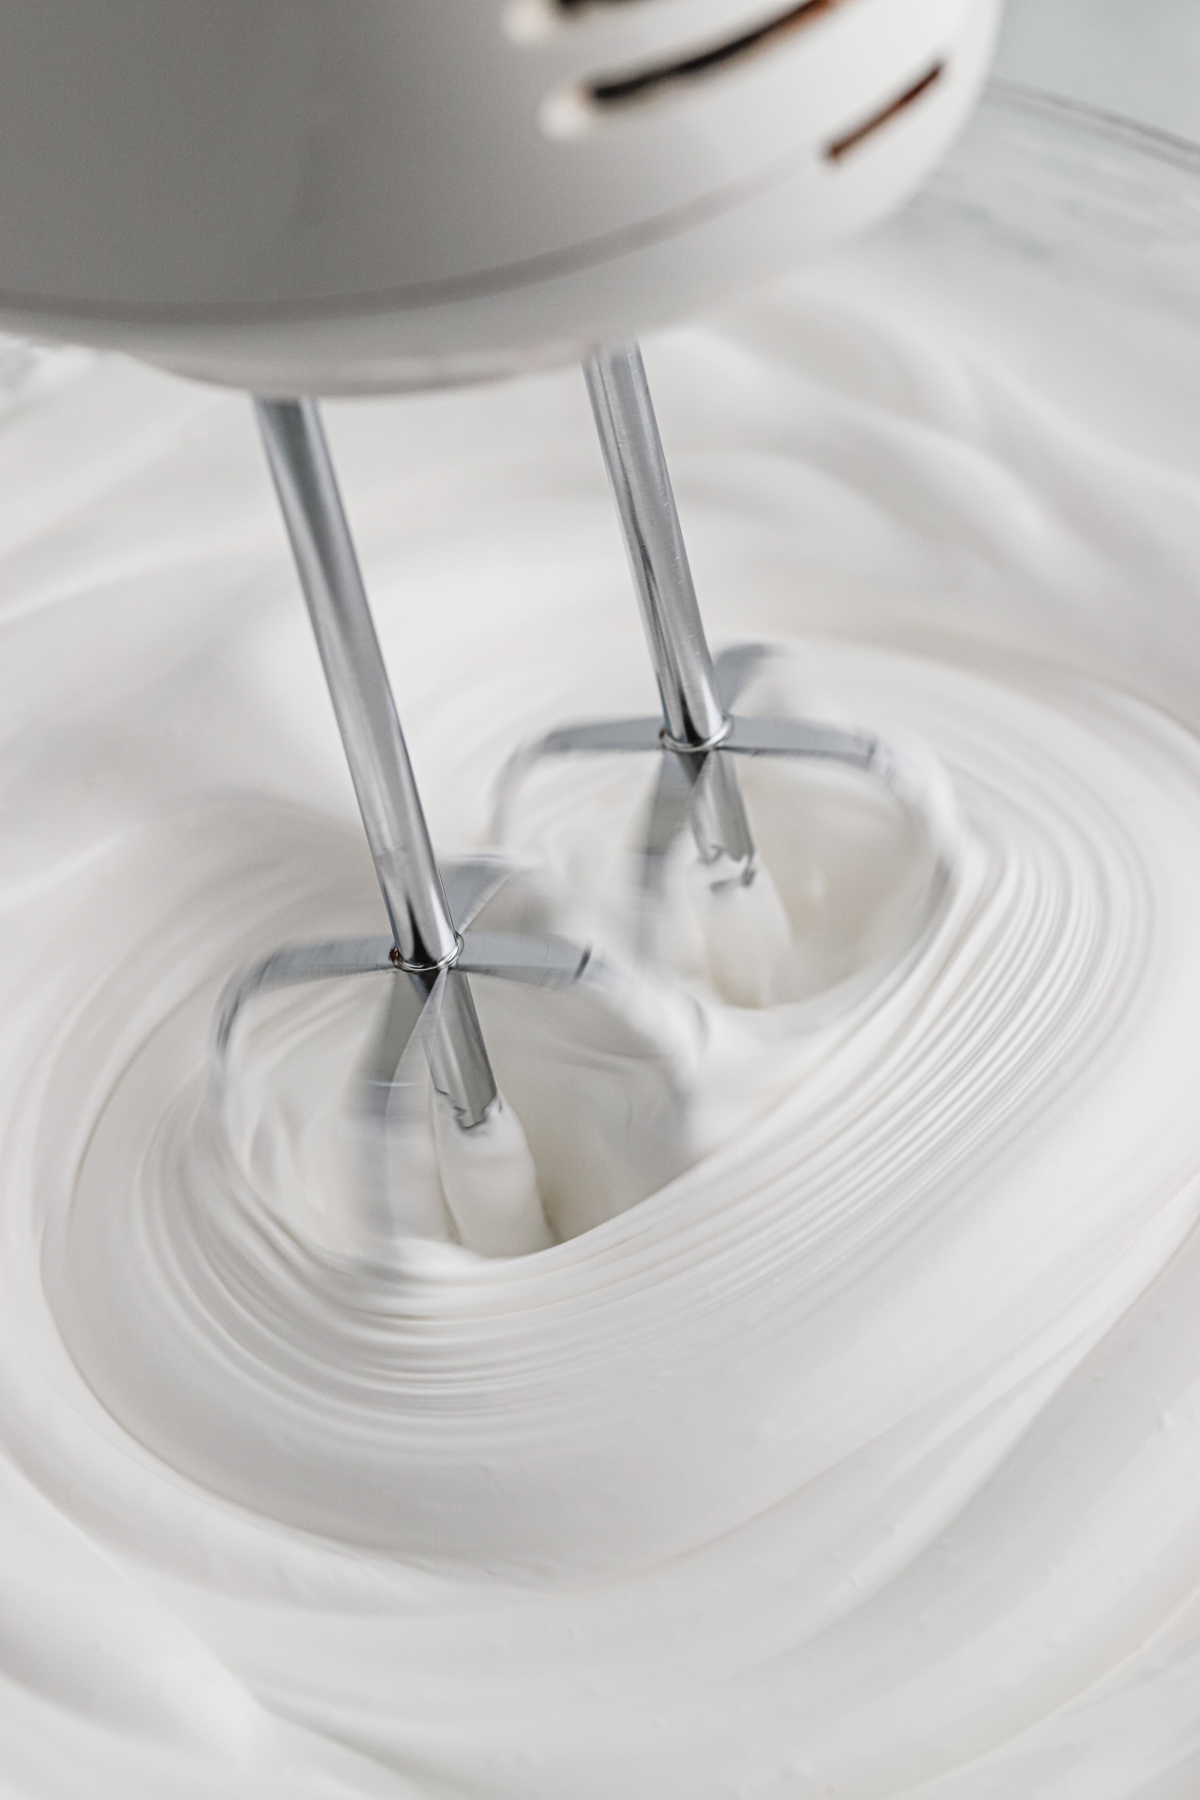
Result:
<point x="863" y="1457"/>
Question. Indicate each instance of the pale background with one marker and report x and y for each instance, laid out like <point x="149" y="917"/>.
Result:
<point x="1140" y="58"/>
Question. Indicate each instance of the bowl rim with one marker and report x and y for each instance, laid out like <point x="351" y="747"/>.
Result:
<point x="1163" y="146"/>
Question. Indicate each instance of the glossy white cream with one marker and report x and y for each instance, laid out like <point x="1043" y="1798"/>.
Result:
<point x="865" y="1456"/>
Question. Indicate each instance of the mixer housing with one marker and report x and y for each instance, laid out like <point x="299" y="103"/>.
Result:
<point x="340" y="196"/>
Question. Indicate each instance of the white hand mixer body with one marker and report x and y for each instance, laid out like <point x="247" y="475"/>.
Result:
<point x="317" y="197"/>
<point x="348" y="196"/>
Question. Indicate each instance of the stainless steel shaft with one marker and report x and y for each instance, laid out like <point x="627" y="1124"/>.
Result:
<point x="693" y="717"/>
<point x="420" y="919"/>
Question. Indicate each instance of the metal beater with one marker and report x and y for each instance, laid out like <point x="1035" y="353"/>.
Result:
<point x="429" y="941"/>
<point x="698" y="732"/>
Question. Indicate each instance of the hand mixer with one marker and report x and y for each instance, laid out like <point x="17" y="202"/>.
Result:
<point x="334" y="197"/>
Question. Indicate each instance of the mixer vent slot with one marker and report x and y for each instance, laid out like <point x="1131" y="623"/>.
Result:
<point x="620" y="90"/>
<point x="843" y="146"/>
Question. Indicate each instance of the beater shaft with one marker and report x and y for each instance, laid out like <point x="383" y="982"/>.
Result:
<point x="694" y="720"/>
<point x="422" y="926"/>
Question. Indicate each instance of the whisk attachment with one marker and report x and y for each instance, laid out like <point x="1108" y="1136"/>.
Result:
<point x="694" y="721"/>
<point x="484" y="1170"/>
<point x="424" y="1008"/>
<point x="424" y="939"/>
<point x="533" y="961"/>
<point x="483" y="1178"/>
<point x="698" y="732"/>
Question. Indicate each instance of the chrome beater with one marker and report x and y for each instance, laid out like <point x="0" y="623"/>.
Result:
<point x="430" y="941"/>
<point x="698" y="732"/>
